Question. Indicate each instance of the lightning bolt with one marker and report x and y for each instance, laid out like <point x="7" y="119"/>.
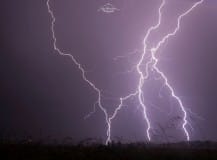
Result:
<point x="152" y="63"/>
<point x="79" y="66"/>
<point x="122" y="99"/>
<point x="139" y="91"/>
<point x="140" y="72"/>
<point x="155" y="62"/>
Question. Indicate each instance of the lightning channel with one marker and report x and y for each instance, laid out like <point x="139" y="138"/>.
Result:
<point x="79" y="66"/>
<point x="141" y="74"/>
<point x="154" y="66"/>
<point x="122" y="99"/>
<point x="138" y="91"/>
<point x="152" y="63"/>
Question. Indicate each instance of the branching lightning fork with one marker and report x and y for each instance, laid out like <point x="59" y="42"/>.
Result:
<point x="155" y="60"/>
<point x="142" y="76"/>
<point x="152" y="63"/>
<point x="99" y="100"/>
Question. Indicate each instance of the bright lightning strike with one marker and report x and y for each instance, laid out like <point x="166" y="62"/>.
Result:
<point x="139" y="91"/>
<point x="152" y="63"/>
<point x="142" y="76"/>
<point x="122" y="99"/>
<point x="99" y="99"/>
<point x="155" y="60"/>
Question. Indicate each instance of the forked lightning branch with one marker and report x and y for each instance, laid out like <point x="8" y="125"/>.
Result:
<point x="151" y="65"/>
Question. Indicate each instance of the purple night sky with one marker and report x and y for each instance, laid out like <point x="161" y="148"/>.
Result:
<point x="43" y="95"/>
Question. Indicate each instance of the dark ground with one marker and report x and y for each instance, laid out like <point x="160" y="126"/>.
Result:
<point x="117" y="151"/>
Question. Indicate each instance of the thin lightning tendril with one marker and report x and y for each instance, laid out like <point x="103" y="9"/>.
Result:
<point x="99" y="100"/>
<point x="122" y="99"/>
<point x="152" y="63"/>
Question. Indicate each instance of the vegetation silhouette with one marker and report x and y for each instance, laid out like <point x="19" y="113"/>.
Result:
<point x="90" y="149"/>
